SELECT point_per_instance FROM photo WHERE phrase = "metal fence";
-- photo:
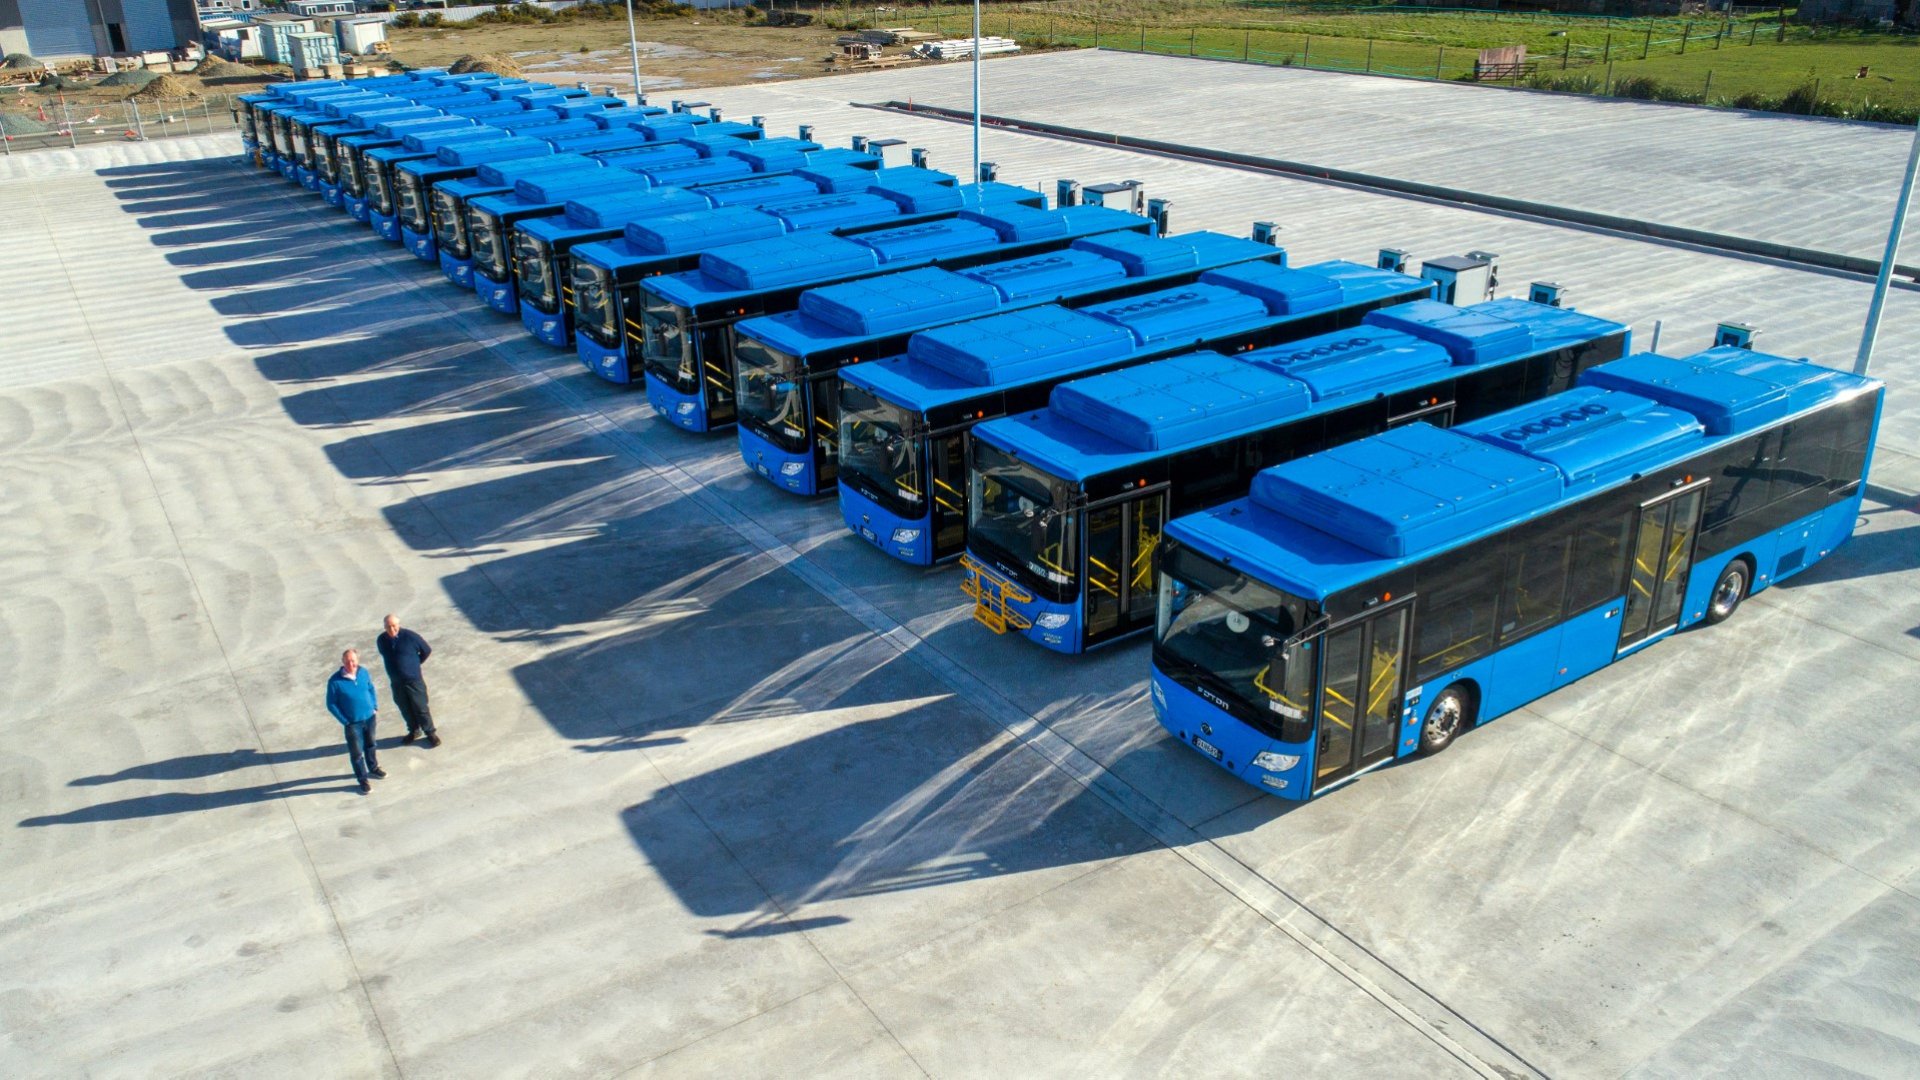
(37, 123)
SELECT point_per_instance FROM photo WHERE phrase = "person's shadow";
(196, 767)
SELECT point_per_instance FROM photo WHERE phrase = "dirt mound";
(490, 62)
(134, 77)
(61, 82)
(166, 87)
(20, 61)
(215, 68)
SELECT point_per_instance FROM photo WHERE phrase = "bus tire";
(1728, 591)
(1450, 714)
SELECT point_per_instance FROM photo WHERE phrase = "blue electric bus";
(414, 181)
(684, 329)
(491, 217)
(314, 112)
(334, 164)
(382, 165)
(1067, 504)
(449, 187)
(449, 199)
(981, 361)
(618, 144)
(414, 176)
(1371, 602)
(673, 243)
(356, 173)
(834, 326)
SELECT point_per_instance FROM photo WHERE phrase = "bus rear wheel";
(1727, 592)
(1449, 715)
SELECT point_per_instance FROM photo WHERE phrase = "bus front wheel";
(1728, 592)
(1449, 715)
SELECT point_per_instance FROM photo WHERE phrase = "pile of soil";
(20, 62)
(215, 68)
(134, 77)
(490, 62)
(165, 88)
(24, 124)
(61, 82)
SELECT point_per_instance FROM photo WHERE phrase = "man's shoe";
(433, 741)
(378, 774)
(365, 787)
(408, 741)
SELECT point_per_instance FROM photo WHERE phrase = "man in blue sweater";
(404, 651)
(352, 701)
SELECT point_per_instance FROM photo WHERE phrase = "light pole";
(1886, 262)
(633, 53)
(976, 90)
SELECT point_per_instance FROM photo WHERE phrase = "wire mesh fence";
(33, 123)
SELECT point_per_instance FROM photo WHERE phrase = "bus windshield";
(323, 158)
(594, 312)
(449, 224)
(350, 172)
(772, 394)
(880, 452)
(413, 208)
(1017, 513)
(533, 267)
(489, 254)
(666, 347)
(380, 188)
(1230, 639)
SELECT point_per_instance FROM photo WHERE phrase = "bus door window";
(1121, 539)
(1105, 561)
(1361, 695)
(1662, 555)
(712, 350)
(825, 408)
(947, 469)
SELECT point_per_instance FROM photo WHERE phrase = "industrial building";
(66, 29)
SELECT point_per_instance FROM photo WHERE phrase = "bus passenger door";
(947, 469)
(1120, 583)
(1662, 557)
(822, 400)
(1362, 687)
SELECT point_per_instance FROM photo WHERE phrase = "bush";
(405, 20)
(432, 18)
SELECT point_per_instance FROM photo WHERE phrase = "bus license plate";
(1207, 748)
(868, 533)
(762, 468)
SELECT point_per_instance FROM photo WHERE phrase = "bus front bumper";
(422, 245)
(458, 271)
(288, 169)
(1001, 604)
(909, 541)
(357, 207)
(333, 194)
(498, 295)
(685, 411)
(547, 326)
(783, 469)
(385, 226)
(609, 364)
(1229, 743)
(309, 179)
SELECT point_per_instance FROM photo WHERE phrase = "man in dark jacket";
(404, 651)
(353, 701)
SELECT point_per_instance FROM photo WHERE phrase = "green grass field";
(1745, 57)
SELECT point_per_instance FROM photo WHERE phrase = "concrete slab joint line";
(1802, 257)
(1478, 1050)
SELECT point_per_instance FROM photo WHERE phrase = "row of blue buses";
(1359, 511)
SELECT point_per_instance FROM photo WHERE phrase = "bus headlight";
(792, 468)
(1272, 762)
(905, 536)
(1052, 620)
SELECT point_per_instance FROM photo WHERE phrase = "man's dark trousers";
(360, 749)
(411, 694)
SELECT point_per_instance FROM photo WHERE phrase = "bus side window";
(1536, 580)
(1459, 594)
(1850, 442)
(1599, 557)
